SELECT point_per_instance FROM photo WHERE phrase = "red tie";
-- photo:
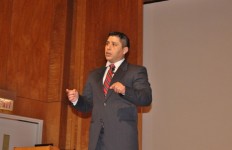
(108, 79)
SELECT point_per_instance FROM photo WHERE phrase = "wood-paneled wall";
(47, 46)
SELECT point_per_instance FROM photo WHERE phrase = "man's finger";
(112, 86)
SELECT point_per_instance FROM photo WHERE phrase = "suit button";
(102, 123)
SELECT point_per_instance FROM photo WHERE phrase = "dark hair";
(123, 37)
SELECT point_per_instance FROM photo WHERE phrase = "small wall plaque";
(7, 99)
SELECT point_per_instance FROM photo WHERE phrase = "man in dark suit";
(114, 104)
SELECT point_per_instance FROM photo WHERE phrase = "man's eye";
(114, 44)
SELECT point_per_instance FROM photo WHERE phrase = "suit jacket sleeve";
(140, 92)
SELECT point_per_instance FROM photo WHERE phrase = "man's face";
(114, 50)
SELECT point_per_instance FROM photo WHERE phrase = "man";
(112, 97)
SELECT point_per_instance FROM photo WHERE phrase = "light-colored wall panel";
(187, 49)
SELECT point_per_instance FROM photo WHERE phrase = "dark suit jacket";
(118, 113)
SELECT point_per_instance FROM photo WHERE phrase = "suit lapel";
(120, 72)
(100, 81)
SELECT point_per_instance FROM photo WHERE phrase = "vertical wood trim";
(79, 54)
(140, 32)
(57, 47)
(139, 61)
(74, 123)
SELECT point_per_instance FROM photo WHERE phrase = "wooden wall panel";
(5, 21)
(24, 106)
(34, 43)
(47, 46)
(117, 15)
(29, 48)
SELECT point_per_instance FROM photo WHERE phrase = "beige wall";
(188, 53)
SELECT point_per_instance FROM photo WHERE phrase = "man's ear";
(125, 50)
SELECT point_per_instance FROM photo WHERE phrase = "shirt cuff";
(75, 102)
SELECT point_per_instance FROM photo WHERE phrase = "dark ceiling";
(152, 1)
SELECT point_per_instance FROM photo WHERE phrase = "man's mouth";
(108, 54)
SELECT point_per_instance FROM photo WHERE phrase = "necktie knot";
(112, 67)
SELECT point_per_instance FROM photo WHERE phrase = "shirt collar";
(116, 64)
